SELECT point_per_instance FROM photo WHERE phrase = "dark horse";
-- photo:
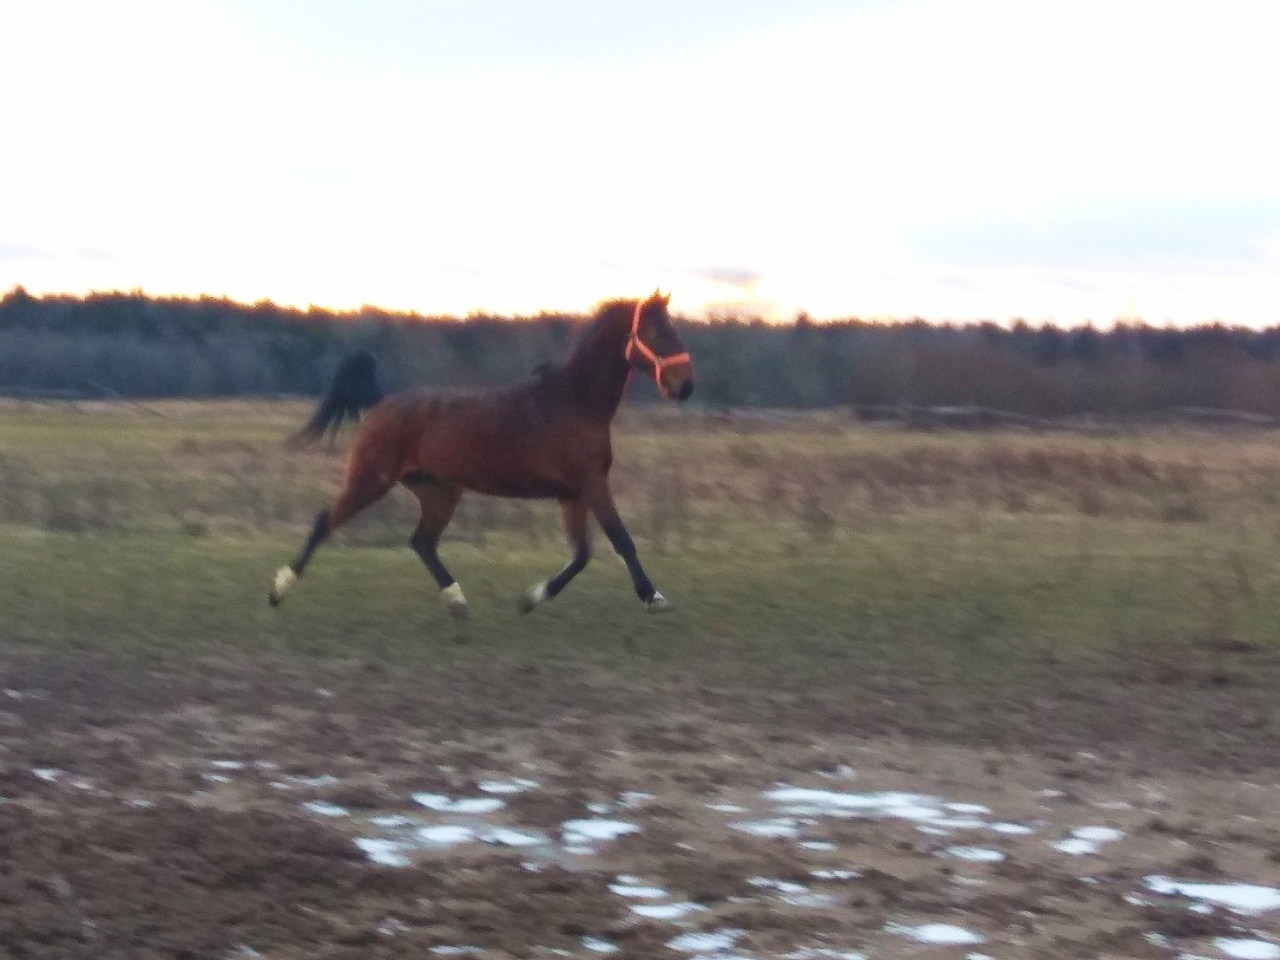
(548, 437)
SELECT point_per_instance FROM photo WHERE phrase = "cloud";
(22, 251)
(508, 34)
(97, 255)
(1118, 233)
(743, 278)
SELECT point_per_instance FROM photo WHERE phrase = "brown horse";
(548, 437)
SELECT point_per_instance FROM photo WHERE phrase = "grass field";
(807, 531)
(1036, 639)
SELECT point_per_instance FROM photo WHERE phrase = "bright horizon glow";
(944, 159)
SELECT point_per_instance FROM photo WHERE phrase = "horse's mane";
(606, 314)
(587, 328)
(613, 307)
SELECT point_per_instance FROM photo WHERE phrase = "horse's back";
(478, 413)
(515, 442)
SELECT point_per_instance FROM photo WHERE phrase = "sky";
(960, 160)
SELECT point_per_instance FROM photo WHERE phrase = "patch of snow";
(442, 804)
(391, 820)
(507, 837)
(938, 933)
(781, 827)
(1012, 829)
(1240, 897)
(505, 787)
(1088, 840)
(1239, 949)
(583, 832)
(715, 941)
(664, 911)
(320, 808)
(972, 808)
(386, 852)
(975, 854)
(638, 891)
(445, 834)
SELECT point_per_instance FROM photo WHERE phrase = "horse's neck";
(597, 369)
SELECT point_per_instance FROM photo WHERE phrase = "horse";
(548, 437)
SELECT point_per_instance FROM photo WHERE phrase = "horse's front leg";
(600, 500)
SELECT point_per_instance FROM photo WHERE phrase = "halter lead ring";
(659, 363)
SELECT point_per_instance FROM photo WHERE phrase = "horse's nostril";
(686, 390)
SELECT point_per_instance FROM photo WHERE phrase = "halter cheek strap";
(634, 343)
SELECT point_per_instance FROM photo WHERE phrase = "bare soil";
(169, 808)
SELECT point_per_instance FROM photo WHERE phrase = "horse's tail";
(354, 390)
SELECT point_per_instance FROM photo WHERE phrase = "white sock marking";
(658, 604)
(285, 578)
(452, 595)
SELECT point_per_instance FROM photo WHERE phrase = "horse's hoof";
(659, 604)
(531, 598)
(454, 602)
(285, 578)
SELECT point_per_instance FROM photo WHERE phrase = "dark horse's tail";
(354, 390)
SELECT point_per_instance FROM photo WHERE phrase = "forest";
(137, 346)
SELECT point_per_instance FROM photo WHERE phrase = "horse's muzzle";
(676, 381)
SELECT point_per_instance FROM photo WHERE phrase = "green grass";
(1004, 590)
(130, 532)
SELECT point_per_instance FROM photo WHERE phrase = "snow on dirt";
(500, 810)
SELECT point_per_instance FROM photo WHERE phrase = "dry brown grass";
(681, 476)
(825, 469)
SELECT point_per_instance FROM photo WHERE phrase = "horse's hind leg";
(437, 500)
(575, 528)
(364, 486)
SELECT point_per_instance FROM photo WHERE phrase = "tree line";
(134, 345)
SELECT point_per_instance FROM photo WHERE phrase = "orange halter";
(635, 343)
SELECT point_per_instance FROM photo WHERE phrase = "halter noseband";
(659, 363)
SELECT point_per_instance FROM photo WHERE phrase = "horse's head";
(655, 347)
